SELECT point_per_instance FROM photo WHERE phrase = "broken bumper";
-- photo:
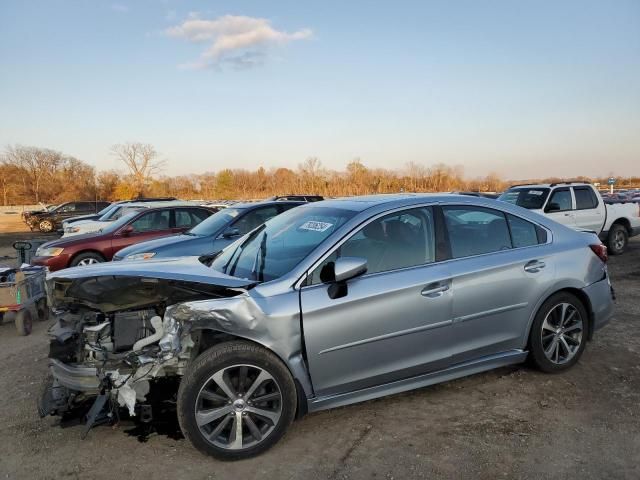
(81, 379)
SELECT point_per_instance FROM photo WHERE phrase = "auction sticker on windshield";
(316, 226)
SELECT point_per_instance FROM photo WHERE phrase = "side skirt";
(456, 371)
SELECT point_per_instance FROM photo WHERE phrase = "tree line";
(32, 174)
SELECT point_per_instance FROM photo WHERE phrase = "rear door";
(500, 265)
(187, 218)
(152, 224)
(560, 207)
(589, 213)
(394, 321)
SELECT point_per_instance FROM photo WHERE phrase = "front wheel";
(24, 323)
(617, 239)
(559, 333)
(236, 400)
(46, 226)
(88, 258)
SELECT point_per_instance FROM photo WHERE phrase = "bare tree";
(35, 164)
(142, 161)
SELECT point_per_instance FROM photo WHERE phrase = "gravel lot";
(508, 423)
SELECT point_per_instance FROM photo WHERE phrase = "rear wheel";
(43, 310)
(236, 401)
(24, 323)
(87, 258)
(46, 226)
(9, 317)
(617, 239)
(559, 333)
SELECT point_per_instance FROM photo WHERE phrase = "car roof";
(262, 203)
(388, 200)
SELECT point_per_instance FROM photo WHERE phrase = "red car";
(135, 227)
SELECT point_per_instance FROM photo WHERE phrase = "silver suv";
(328, 304)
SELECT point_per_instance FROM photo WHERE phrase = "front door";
(149, 225)
(394, 322)
(560, 207)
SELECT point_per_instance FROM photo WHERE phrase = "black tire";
(46, 226)
(80, 260)
(617, 239)
(24, 323)
(9, 317)
(552, 307)
(43, 310)
(217, 359)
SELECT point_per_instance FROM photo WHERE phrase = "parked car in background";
(302, 198)
(25, 215)
(109, 208)
(326, 305)
(89, 226)
(132, 228)
(213, 234)
(50, 220)
(491, 195)
(580, 206)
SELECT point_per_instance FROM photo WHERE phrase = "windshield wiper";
(260, 255)
(238, 251)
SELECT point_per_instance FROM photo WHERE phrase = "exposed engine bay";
(112, 356)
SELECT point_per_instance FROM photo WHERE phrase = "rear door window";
(585, 198)
(152, 221)
(476, 230)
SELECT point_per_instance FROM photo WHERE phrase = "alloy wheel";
(619, 240)
(562, 331)
(238, 407)
(88, 261)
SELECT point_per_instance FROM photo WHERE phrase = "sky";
(522, 88)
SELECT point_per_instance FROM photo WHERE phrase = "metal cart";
(23, 298)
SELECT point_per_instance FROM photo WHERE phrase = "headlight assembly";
(141, 256)
(49, 252)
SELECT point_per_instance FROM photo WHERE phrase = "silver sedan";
(342, 301)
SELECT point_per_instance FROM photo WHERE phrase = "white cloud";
(238, 41)
(118, 7)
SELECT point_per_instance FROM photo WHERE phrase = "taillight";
(601, 251)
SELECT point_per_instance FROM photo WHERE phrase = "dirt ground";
(509, 423)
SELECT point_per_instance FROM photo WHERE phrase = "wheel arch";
(207, 338)
(575, 291)
(82, 252)
(624, 222)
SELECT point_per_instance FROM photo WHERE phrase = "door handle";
(435, 290)
(534, 266)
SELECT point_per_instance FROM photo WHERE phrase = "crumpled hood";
(117, 286)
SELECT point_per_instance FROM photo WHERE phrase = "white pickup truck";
(580, 206)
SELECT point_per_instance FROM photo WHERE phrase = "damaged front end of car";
(120, 333)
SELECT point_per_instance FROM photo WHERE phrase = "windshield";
(215, 222)
(106, 209)
(531, 198)
(115, 225)
(279, 245)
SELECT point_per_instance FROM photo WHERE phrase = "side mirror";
(230, 232)
(346, 268)
(126, 231)
(552, 207)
